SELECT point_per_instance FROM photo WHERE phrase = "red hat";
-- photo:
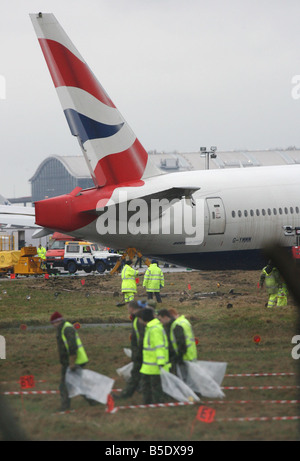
(56, 317)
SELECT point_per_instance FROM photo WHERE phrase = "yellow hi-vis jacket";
(154, 278)
(41, 252)
(155, 349)
(81, 356)
(128, 276)
(272, 280)
(191, 350)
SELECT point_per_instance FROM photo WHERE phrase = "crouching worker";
(155, 357)
(71, 354)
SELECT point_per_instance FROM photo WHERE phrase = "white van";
(89, 257)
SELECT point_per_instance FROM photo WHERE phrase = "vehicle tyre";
(72, 267)
(100, 267)
(88, 270)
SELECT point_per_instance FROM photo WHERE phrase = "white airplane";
(212, 219)
(17, 217)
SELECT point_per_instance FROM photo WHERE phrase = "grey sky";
(183, 73)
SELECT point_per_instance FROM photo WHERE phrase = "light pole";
(208, 154)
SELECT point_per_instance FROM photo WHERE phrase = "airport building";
(59, 175)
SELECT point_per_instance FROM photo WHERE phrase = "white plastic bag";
(125, 371)
(216, 370)
(88, 383)
(127, 352)
(176, 388)
(204, 379)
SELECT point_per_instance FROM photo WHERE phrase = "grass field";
(224, 322)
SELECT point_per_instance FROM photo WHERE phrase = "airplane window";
(274, 211)
(291, 210)
(257, 213)
(297, 210)
(286, 210)
(239, 213)
(263, 212)
(280, 210)
(269, 212)
(251, 212)
(245, 213)
(233, 214)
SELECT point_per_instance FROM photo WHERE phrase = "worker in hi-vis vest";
(276, 288)
(182, 343)
(41, 252)
(136, 339)
(71, 354)
(155, 357)
(129, 276)
(154, 280)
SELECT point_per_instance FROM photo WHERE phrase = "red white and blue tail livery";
(112, 151)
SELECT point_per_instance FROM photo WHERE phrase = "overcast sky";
(184, 74)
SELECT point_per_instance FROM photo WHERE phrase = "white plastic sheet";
(125, 371)
(204, 377)
(216, 370)
(127, 352)
(88, 383)
(176, 388)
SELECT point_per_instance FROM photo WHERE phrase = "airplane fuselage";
(233, 215)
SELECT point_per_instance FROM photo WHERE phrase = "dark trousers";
(134, 380)
(64, 397)
(151, 389)
(138, 261)
(181, 371)
(157, 295)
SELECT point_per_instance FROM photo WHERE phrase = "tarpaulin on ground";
(88, 383)
(125, 371)
(9, 258)
(176, 388)
(203, 377)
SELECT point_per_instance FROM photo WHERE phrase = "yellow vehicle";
(129, 253)
(22, 262)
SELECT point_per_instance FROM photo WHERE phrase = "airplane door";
(216, 212)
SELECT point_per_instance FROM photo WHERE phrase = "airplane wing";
(165, 196)
(172, 193)
(17, 217)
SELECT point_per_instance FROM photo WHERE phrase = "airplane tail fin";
(113, 153)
